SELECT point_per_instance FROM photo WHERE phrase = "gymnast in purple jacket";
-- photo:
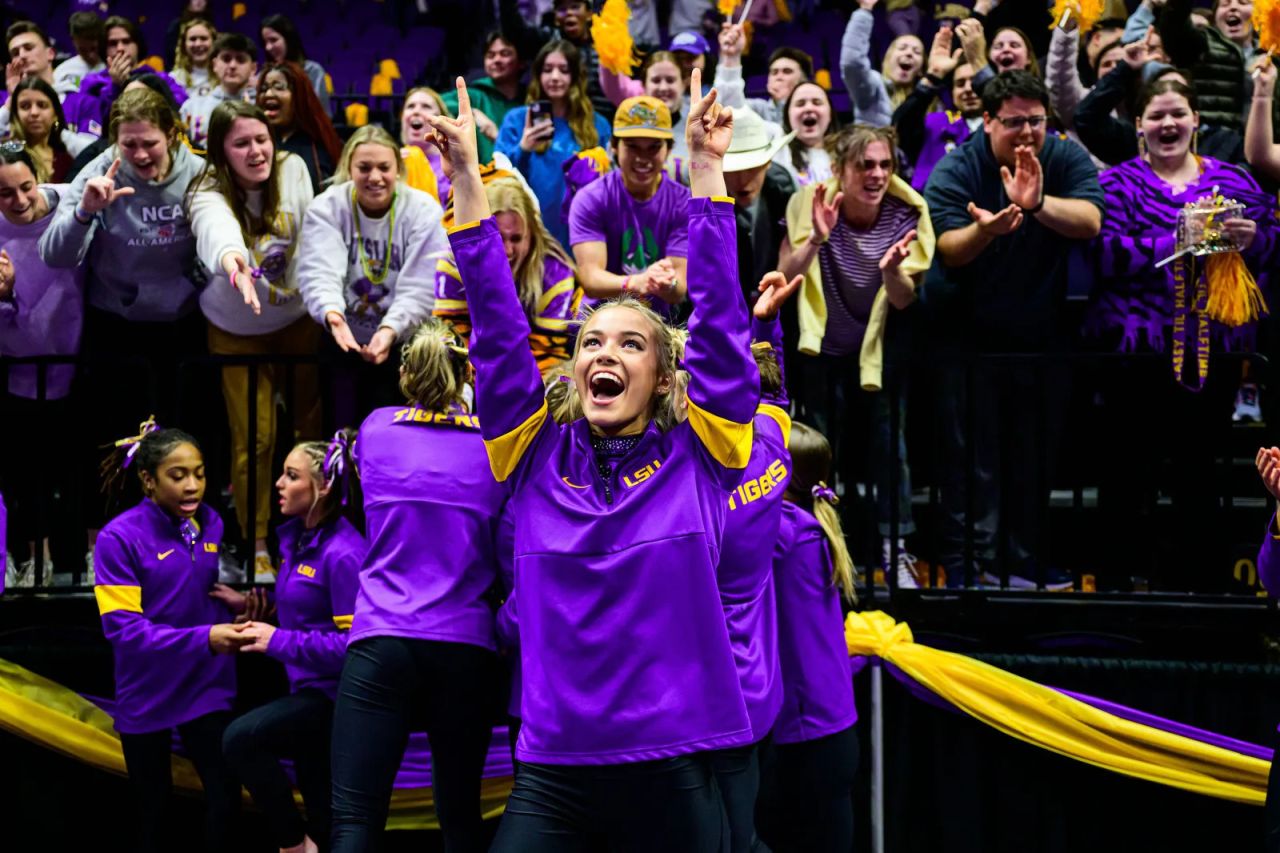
(628, 676)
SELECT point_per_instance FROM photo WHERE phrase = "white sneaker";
(10, 571)
(905, 571)
(1247, 408)
(230, 570)
(88, 568)
(263, 570)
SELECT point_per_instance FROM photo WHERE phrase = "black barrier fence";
(1014, 483)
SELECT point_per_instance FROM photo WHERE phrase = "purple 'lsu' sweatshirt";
(624, 652)
(153, 596)
(431, 509)
(745, 573)
(315, 600)
(45, 312)
(817, 679)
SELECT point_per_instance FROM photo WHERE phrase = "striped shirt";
(850, 265)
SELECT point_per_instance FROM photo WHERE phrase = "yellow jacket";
(813, 303)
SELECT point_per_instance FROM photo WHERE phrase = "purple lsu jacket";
(817, 678)
(745, 573)
(1269, 559)
(315, 600)
(153, 596)
(431, 514)
(624, 652)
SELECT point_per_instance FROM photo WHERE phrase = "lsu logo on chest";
(638, 477)
(754, 490)
(307, 571)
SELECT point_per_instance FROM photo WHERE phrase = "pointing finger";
(113, 168)
(464, 98)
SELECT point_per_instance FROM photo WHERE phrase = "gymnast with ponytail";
(322, 550)
(815, 744)
(155, 566)
(627, 676)
(423, 650)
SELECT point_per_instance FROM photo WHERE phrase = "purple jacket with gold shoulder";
(745, 572)
(153, 596)
(624, 652)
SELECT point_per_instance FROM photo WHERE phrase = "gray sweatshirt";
(140, 250)
(332, 261)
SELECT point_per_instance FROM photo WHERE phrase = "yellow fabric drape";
(1051, 720)
(46, 713)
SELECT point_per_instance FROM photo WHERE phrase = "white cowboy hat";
(754, 142)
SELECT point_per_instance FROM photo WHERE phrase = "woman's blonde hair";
(898, 94)
(667, 346)
(368, 134)
(433, 366)
(182, 59)
(563, 402)
(810, 471)
(580, 114)
(508, 196)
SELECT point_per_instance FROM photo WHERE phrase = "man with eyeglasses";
(1009, 206)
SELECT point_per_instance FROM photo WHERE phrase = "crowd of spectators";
(220, 204)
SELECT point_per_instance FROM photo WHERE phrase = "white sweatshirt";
(332, 277)
(218, 233)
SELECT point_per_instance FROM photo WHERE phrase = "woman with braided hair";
(322, 550)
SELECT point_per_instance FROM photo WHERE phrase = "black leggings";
(671, 804)
(147, 758)
(391, 686)
(806, 802)
(296, 726)
(738, 777)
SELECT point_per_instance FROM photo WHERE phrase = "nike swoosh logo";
(572, 485)
(165, 554)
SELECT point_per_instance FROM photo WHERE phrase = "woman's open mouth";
(605, 387)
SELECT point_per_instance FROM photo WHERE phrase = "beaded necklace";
(381, 275)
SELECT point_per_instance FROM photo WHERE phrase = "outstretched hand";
(341, 332)
(775, 290)
(825, 214)
(1268, 462)
(898, 252)
(999, 223)
(1025, 186)
(241, 276)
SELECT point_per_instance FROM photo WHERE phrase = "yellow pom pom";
(1266, 20)
(1234, 296)
(1086, 12)
(727, 8)
(611, 34)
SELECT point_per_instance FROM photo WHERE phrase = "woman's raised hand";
(456, 137)
(101, 191)
(774, 291)
(710, 125)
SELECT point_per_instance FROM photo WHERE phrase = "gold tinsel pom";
(1234, 297)
(726, 7)
(612, 37)
(1086, 12)
(1266, 20)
